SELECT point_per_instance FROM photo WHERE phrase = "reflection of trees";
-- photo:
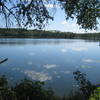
(29, 90)
(33, 41)
(86, 88)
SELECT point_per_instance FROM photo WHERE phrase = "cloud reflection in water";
(41, 76)
(49, 66)
(63, 50)
(88, 60)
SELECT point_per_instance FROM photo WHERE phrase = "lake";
(50, 60)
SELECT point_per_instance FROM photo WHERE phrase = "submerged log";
(4, 60)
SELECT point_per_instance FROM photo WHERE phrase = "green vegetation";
(29, 90)
(25, 90)
(95, 95)
(23, 33)
(34, 13)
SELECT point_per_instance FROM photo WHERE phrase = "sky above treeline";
(61, 24)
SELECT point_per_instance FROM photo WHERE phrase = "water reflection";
(21, 41)
(16, 41)
(49, 66)
(88, 60)
(50, 60)
(80, 49)
(63, 50)
(40, 76)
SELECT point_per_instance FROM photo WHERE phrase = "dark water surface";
(50, 60)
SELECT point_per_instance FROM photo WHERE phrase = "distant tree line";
(24, 33)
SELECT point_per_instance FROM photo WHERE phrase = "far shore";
(23, 33)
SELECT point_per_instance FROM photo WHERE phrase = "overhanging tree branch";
(28, 13)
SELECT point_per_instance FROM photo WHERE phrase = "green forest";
(24, 33)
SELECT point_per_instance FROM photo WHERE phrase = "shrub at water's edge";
(29, 90)
(25, 90)
(95, 95)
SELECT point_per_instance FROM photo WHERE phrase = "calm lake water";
(50, 60)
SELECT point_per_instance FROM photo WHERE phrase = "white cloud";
(52, 6)
(41, 76)
(49, 66)
(80, 49)
(64, 22)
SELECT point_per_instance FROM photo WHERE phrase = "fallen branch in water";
(4, 60)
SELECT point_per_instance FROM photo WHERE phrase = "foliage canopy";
(29, 13)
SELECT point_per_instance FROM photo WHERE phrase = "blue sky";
(61, 24)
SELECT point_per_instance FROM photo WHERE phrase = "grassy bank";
(23, 33)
